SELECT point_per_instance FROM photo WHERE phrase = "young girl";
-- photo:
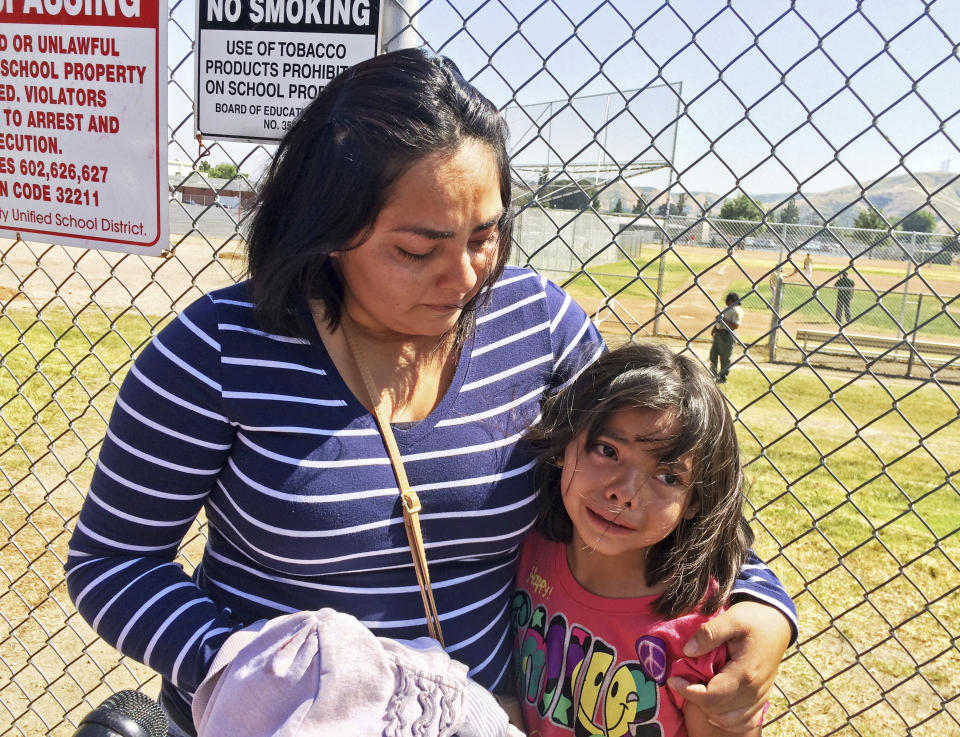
(639, 540)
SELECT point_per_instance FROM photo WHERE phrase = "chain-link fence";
(768, 149)
(883, 322)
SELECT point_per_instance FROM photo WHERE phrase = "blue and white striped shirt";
(261, 434)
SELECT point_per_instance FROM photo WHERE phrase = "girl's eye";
(605, 450)
(670, 478)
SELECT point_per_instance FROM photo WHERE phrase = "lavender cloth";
(323, 673)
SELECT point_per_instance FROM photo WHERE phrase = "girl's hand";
(757, 636)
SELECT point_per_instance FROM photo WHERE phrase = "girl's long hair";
(712, 545)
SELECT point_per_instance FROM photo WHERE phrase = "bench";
(872, 346)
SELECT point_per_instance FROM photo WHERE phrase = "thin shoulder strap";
(408, 497)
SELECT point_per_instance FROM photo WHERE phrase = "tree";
(790, 213)
(922, 221)
(218, 171)
(815, 218)
(640, 207)
(618, 205)
(740, 208)
(223, 171)
(870, 218)
(673, 208)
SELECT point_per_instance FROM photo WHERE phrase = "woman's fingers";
(713, 698)
(756, 636)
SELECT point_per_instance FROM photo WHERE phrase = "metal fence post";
(912, 338)
(400, 25)
(658, 303)
(775, 321)
(665, 240)
(902, 326)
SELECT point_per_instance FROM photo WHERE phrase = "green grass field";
(59, 380)
(859, 518)
(624, 279)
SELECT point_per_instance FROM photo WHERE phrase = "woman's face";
(432, 246)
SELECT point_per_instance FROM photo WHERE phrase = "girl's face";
(620, 497)
(432, 245)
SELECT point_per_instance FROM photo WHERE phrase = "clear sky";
(814, 96)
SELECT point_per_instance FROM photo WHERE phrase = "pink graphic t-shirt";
(589, 665)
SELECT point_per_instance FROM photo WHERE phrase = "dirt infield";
(156, 285)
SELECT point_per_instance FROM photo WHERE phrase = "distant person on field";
(724, 337)
(844, 285)
(772, 281)
(807, 268)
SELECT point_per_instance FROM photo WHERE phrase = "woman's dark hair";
(711, 545)
(334, 168)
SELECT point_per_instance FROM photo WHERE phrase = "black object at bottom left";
(125, 714)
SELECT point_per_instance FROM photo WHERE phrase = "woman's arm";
(165, 445)
(757, 629)
(756, 636)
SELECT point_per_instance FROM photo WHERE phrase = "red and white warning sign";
(83, 123)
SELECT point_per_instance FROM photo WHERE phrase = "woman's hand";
(757, 636)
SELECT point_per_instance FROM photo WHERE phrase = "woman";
(386, 207)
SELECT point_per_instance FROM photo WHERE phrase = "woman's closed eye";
(413, 255)
(483, 242)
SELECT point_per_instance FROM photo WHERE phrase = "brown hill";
(896, 196)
